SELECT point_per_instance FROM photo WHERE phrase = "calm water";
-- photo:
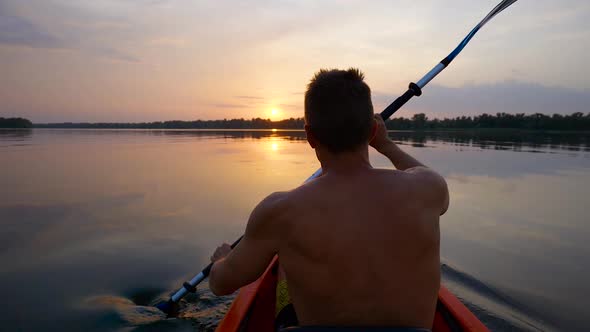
(95, 223)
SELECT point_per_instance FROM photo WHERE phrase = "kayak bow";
(253, 309)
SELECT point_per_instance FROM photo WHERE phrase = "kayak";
(253, 310)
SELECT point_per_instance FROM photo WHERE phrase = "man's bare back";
(359, 246)
(362, 250)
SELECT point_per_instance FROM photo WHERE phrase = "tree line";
(254, 123)
(537, 121)
(15, 123)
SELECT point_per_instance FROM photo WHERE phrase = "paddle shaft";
(415, 89)
(190, 286)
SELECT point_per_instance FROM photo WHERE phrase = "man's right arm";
(401, 160)
(430, 184)
(388, 148)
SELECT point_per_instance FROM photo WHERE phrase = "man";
(359, 246)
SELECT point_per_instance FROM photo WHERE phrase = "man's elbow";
(436, 190)
(445, 196)
(218, 290)
(217, 284)
(445, 206)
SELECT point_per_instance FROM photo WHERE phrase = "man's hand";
(381, 142)
(250, 258)
(381, 139)
(221, 252)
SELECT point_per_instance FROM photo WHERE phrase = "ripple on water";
(203, 311)
(136, 311)
(497, 311)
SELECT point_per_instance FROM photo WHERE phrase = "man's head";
(338, 110)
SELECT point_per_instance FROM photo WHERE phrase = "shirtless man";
(359, 246)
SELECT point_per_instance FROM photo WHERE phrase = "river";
(97, 223)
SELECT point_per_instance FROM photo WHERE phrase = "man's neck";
(344, 162)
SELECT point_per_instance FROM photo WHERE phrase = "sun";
(275, 113)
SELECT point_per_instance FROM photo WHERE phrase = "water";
(98, 224)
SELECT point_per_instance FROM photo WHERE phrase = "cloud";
(249, 97)
(17, 31)
(291, 106)
(185, 51)
(114, 54)
(508, 96)
(228, 105)
(168, 41)
(148, 2)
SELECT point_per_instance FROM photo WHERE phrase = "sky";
(153, 60)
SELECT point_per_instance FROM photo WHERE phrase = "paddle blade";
(497, 10)
(170, 308)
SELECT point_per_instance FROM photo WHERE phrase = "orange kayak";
(253, 309)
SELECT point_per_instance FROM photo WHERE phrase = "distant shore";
(520, 121)
(15, 123)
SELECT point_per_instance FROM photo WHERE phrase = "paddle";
(415, 89)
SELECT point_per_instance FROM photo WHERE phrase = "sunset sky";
(148, 60)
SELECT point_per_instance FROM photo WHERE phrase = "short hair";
(338, 109)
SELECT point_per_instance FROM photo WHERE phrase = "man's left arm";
(250, 258)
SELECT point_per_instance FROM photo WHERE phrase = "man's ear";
(310, 138)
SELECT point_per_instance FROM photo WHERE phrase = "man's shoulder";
(274, 202)
(393, 176)
(427, 186)
(267, 216)
(414, 175)
(306, 191)
(418, 180)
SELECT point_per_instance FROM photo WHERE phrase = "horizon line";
(291, 119)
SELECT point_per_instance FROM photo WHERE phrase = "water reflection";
(15, 137)
(520, 141)
(89, 213)
(515, 140)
